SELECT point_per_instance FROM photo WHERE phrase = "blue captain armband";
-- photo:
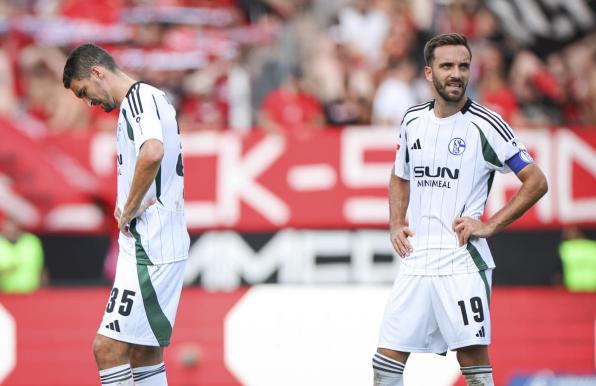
(519, 161)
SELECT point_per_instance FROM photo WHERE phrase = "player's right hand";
(399, 240)
(124, 219)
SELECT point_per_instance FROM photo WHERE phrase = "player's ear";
(97, 72)
(428, 73)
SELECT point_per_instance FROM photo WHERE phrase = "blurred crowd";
(290, 66)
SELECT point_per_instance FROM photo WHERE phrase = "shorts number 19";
(476, 305)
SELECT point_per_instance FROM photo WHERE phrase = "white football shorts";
(431, 314)
(142, 305)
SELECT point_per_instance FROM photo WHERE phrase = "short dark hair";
(81, 59)
(452, 39)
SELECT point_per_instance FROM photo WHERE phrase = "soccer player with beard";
(449, 149)
(153, 243)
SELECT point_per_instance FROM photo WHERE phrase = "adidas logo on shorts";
(114, 326)
(480, 333)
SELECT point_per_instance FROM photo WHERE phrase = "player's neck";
(444, 109)
(120, 85)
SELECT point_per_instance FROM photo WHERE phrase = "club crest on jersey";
(526, 156)
(457, 146)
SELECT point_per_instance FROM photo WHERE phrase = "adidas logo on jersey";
(416, 145)
(480, 333)
(114, 326)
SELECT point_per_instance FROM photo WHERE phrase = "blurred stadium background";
(288, 111)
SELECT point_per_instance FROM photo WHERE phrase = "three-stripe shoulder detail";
(493, 119)
(134, 99)
(421, 106)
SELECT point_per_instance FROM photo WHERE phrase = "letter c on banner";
(8, 348)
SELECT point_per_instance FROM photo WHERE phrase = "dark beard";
(107, 107)
(443, 93)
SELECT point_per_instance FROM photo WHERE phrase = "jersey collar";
(466, 106)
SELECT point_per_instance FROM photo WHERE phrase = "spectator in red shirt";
(204, 113)
(492, 86)
(205, 106)
(290, 109)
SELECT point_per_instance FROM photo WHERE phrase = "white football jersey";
(160, 234)
(450, 164)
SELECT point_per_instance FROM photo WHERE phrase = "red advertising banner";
(336, 178)
(47, 336)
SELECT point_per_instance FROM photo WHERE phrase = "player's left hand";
(127, 216)
(467, 227)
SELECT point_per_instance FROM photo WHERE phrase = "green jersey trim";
(486, 286)
(482, 267)
(487, 151)
(131, 134)
(158, 185)
(491, 178)
(478, 260)
(140, 254)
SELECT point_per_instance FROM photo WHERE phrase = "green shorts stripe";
(486, 286)
(160, 325)
(481, 265)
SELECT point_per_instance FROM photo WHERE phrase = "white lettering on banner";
(541, 144)
(84, 217)
(355, 142)
(357, 173)
(305, 178)
(367, 243)
(8, 347)
(241, 180)
(16, 205)
(236, 179)
(286, 322)
(572, 149)
(223, 259)
(238, 176)
(539, 141)
(201, 213)
(366, 210)
(330, 244)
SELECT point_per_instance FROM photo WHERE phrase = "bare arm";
(534, 186)
(148, 163)
(399, 196)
